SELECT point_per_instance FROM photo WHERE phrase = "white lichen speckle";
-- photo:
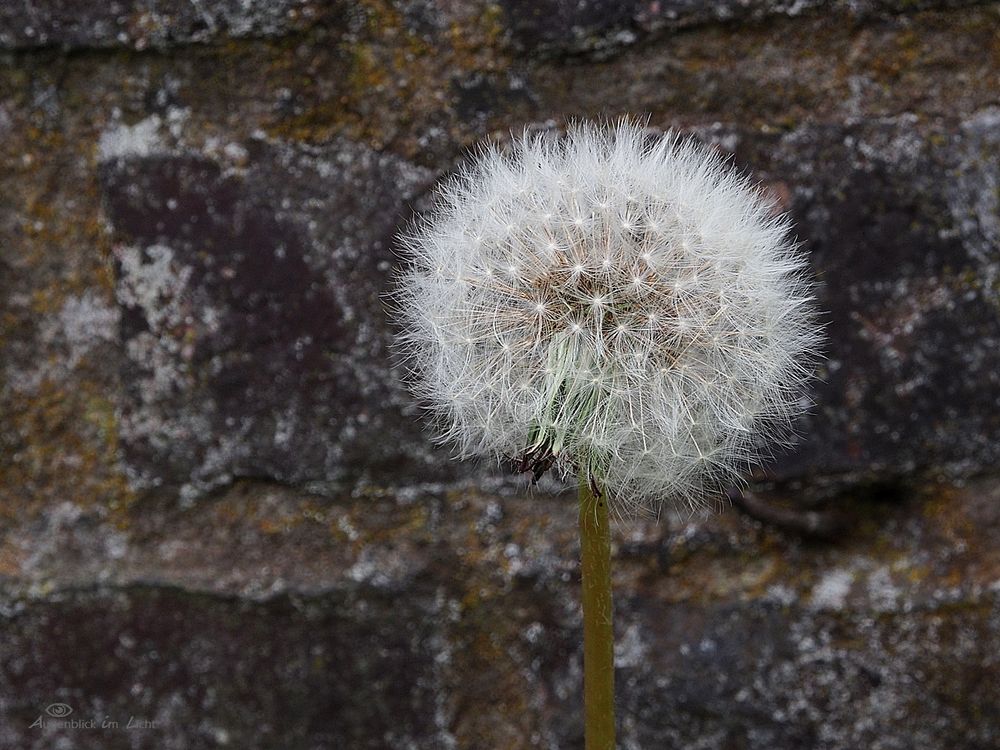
(121, 140)
(631, 650)
(884, 594)
(84, 322)
(832, 590)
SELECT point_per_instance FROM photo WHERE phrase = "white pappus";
(610, 302)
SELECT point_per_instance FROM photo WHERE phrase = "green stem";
(598, 631)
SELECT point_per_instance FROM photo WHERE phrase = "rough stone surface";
(75, 24)
(549, 26)
(219, 511)
(898, 223)
(250, 313)
(598, 27)
(269, 618)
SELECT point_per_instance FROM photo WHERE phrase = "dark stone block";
(602, 27)
(197, 671)
(74, 24)
(252, 318)
(257, 342)
(909, 295)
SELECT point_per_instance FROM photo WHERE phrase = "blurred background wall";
(218, 513)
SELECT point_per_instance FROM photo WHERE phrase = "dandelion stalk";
(598, 629)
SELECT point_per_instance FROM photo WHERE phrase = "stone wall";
(219, 512)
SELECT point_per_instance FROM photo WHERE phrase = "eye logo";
(58, 710)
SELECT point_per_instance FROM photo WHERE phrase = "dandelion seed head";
(649, 320)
